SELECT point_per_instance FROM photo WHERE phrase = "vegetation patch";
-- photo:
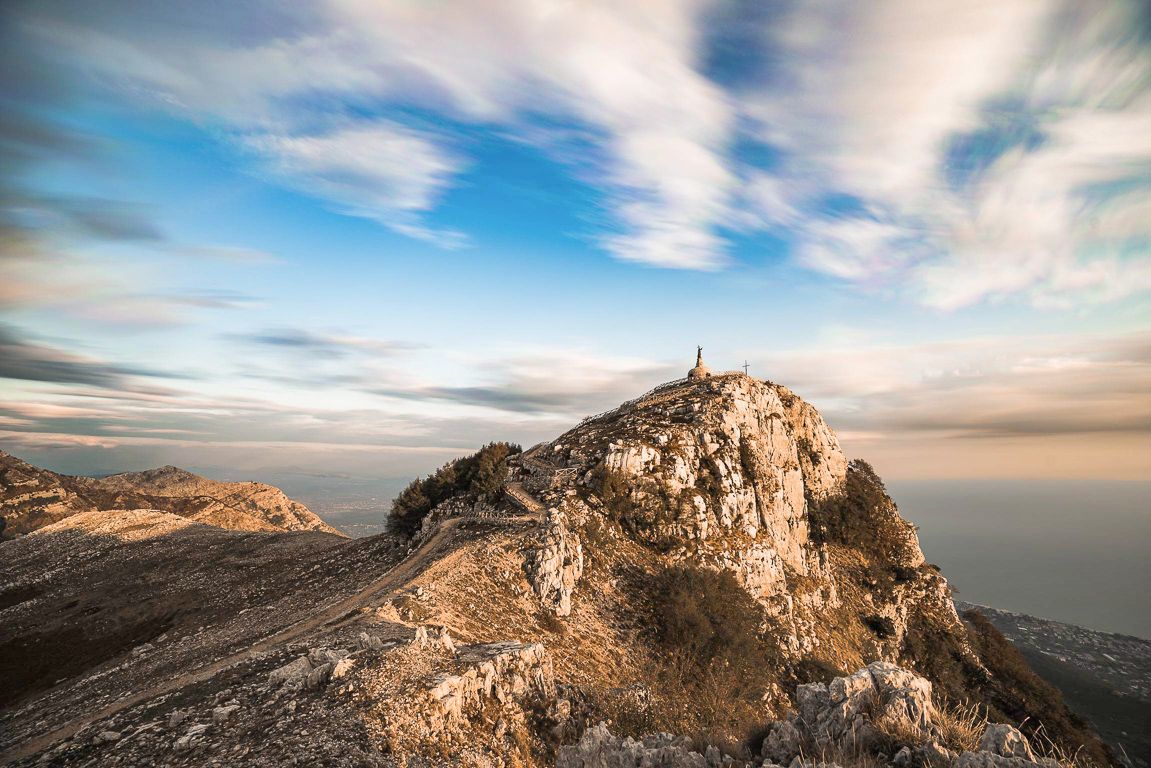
(478, 476)
(882, 626)
(863, 517)
(643, 507)
(714, 668)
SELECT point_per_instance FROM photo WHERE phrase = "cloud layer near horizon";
(977, 394)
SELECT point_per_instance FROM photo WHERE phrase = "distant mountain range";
(32, 498)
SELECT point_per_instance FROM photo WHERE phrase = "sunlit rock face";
(725, 472)
(32, 498)
(723, 465)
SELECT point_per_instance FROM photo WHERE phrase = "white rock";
(1006, 741)
(293, 673)
(222, 714)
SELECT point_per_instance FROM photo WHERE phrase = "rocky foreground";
(881, 714)
(700, 561)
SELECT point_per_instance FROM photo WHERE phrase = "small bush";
(882, 626)
(706, 615)
(615, 488)
(961, 726)
(904, 574)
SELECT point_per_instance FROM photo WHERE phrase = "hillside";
(1105, 677)
(703, 560)
(31, 498)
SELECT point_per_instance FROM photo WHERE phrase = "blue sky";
(369, 236)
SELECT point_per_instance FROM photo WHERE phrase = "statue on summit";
(700, 371)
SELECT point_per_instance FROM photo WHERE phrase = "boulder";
(783, 742)
(855, 711)
(555, 564)
(293, 673)
(1005, 741)
(223, 714)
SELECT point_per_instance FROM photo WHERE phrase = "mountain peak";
(723, 453)
(679, 563)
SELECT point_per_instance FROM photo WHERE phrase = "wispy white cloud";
(996, 150)
(375, 169)
(627, 75)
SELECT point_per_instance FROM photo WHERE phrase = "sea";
(1075, 551)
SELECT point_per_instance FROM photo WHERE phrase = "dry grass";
(1046, 747)
(961, 725)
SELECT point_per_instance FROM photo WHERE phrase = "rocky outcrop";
(555, 564)
(726, 455)
(881, 715)
(886, 711)
(31, 498)
(496, 672)
(859, 708)
(598, 748)
(727, 472)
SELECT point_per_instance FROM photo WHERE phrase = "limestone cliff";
(734, 473)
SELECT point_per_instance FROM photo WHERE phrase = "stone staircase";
(519, 496)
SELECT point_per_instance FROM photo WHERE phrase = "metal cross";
(745, 367)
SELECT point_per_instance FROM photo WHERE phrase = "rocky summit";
(699, 577)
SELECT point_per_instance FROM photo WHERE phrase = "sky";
(368, 236)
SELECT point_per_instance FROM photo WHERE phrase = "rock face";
(850, 707)
(555, 565)
(600, 749)
(731, 455)
(31, 498)
(729, 472)
(496, 672)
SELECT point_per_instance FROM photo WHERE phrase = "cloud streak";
(29, 361)
(981, 387)
(375, 169)
(992, 150)
(625, 76)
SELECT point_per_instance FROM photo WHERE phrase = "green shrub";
(478, 476)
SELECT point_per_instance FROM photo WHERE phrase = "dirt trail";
(329, 615)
